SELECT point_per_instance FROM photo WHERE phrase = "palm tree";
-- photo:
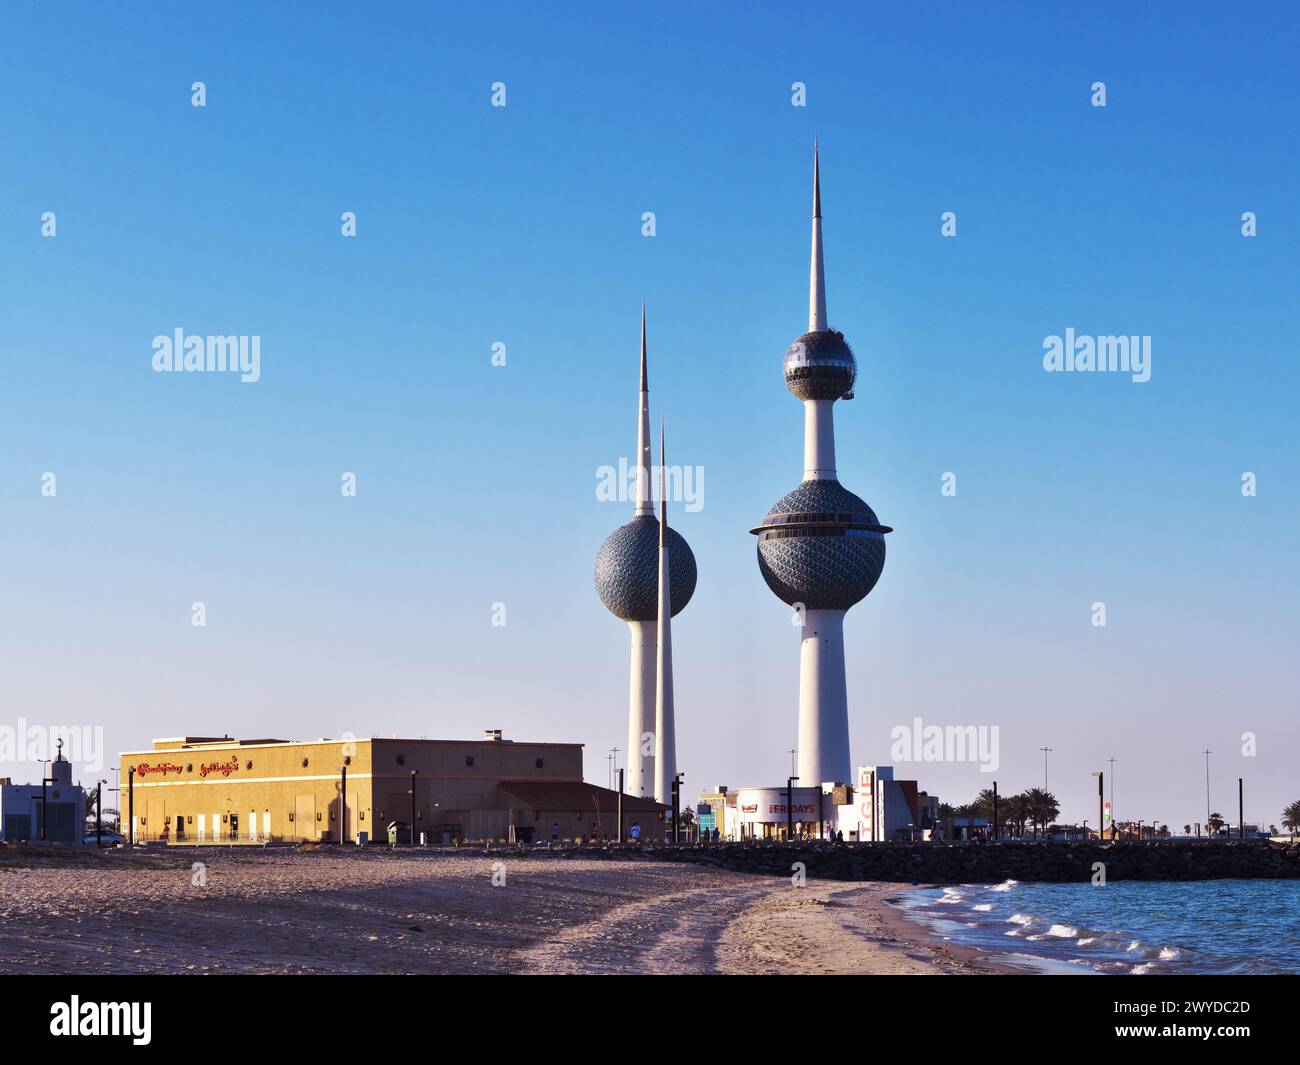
(1291, 818)
(1017, 812)
(1215, 823)
(1043, 807)
(1187, 830)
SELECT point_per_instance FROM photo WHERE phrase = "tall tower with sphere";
(627, 581)
(820, 548)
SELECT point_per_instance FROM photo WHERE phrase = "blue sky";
(476, 484)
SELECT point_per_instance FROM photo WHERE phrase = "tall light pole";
(413, 807)
(117, 792)
(343, 804)
(789, 807)
(1046, 751)
(1101, 807)
(1112, 790)
(99, 812)
(1207, 752)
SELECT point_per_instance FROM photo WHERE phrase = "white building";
(885, 809)
(767, 813)
(59, 807)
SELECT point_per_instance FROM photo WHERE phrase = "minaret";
(627, 581)
(820, 548)
(665, 730)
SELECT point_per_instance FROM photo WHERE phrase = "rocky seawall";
(991, 863)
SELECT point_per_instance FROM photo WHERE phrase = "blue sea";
(1127, 927)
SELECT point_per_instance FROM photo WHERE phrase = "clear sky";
(523, 225)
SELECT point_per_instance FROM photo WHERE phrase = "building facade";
(203, 790)
(54, 811)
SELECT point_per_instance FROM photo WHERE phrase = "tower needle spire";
(817, 270)
(665, 763)
(645, 380)
(644, 505)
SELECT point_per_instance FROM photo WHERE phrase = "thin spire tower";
(644, 505)
(665, 730)
(627, 581)
(817, 269)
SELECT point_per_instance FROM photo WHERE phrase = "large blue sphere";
(821, 546)
(627, 570)
(820, 366)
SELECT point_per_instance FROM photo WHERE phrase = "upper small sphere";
(820, 366)
(627, 570)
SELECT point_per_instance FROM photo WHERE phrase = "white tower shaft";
(642, 709)
(665, 760)
(823, 691)
(823, 700)
(819, 440)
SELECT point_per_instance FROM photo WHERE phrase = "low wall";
(980, 863)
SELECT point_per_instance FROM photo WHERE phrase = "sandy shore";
(378, 911)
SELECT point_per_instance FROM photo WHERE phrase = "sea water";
(1132, 927)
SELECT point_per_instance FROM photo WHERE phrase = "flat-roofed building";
(205, 789)
(54, 811)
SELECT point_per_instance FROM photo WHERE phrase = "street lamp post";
(1207, 752)
(343, 804)
(677, 805)
(1112, 790)
(995, 811)
(413, 807)
(1046, 751)
(1241, 810)
(1101, 807)
(99, 812)
(789, 808)
(620, 806)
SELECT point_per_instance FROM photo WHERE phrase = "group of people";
(633, 834)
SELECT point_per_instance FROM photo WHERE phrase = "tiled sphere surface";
(627, 570)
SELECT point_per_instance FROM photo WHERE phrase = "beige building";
(196, 789)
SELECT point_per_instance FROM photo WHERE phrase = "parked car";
(110, 839)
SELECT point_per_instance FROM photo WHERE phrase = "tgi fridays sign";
(768, 805)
